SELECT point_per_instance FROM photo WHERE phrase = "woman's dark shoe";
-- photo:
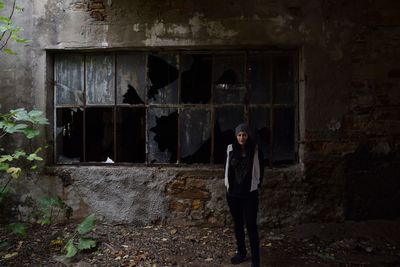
(253, 264)
(238, 258)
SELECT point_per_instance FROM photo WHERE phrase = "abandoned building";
(143, 96)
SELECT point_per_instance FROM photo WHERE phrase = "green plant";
(9, 31)
(51, 207)
(80, 240)
(19, 121)
(18, 228)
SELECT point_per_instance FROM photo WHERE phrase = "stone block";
(193, 194)
(196, 183)
(177, 206)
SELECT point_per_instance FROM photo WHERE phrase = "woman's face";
(242, 138)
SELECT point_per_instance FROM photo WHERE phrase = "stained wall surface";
(348, 104)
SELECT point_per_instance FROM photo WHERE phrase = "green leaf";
(19, 154)
(33, 157)
(4, 166)
(87, 225)
(1, 4)
(21, 40)
(4, 158)
(4, 19)
(86, 243)
(31, 132)
(18, 228)
(71, 249)
(17, 128)
(9, 51)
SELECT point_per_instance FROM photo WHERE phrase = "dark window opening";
(69, 135)
(131, 135)
(173, 107)
(196, 78)
(99, 135)
(163, 75)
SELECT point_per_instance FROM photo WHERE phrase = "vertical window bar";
(115, 109)
(271, 113)
(212, 109)
(54, 111)
(178, 152)
(296, 99)
(247, 87)
(146, 110)
(84, 108)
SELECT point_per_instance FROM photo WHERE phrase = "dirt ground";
(372, 243)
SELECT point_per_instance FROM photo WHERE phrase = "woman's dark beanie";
(242, 128)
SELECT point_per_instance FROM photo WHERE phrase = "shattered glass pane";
(131, 78)
(163, 135)
(99, 135)
(260, 77)
(131, 135)
(100, 79)
(195, 137)
(69, 135)
(226, 120)
(69, 79)
(283, 80)
(196, 78)
(283, 143)
(163, 78)
(229, 73)
(260, 122)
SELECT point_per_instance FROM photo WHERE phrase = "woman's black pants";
(244, 212)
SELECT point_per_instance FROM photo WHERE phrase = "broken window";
(260, 120)
(69, 135)
(163, 135)
(172, 107)
(131, 79)
(196, 78)
(195, 135)
(226, 119)
(229, 71)
(131, 135)
(163, 78)
(99, 135)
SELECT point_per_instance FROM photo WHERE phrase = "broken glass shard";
(131, 78)
(229, 86)
(163, 135)
(163, 78)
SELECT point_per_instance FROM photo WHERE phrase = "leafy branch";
(80, 241)
(8, 30)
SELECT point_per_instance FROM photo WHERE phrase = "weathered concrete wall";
(349, 116)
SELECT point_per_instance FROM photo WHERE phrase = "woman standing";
(243, 176)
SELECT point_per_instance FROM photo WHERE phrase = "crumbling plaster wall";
(348, 102)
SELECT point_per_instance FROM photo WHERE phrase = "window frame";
(211, 106)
